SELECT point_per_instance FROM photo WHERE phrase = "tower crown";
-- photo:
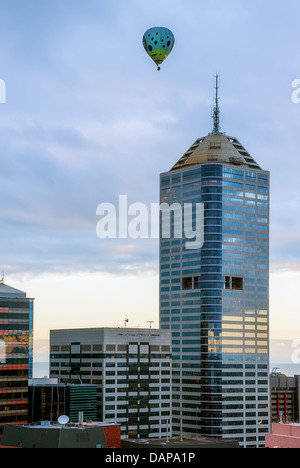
(216, 148)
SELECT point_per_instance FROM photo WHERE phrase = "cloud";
(281, 350)
(284, 267)
(52, 182)
(89, 118)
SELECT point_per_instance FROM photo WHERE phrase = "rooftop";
(177, 442)
(153, 332)
(9, 292)
(69, 425)
(54, 435)
(44, 382)
(218, 148)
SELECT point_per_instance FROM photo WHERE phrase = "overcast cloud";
(88, 118)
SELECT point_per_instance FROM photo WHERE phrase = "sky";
(87, 118)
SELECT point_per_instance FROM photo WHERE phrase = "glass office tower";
(16, 318)
(214, 299)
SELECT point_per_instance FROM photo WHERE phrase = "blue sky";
(88, 117)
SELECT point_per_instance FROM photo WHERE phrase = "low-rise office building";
(50, 435)
(285, 398)
(47, 400)
(132, 369)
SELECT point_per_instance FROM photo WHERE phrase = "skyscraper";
(16, 319)
(215, 298)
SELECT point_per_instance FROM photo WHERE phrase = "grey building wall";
(132, 371)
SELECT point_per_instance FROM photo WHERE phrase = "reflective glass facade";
(48, 402)
(215, 302)
(16, 315)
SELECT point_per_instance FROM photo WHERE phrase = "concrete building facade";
(132, 371)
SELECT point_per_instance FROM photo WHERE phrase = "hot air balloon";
(158, 43)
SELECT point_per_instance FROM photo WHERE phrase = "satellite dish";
(62, 420)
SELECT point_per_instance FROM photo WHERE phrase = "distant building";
(48, 400)
(284, 436)
(47, 435)
(132, 371)
(285, 398)
(16, 336)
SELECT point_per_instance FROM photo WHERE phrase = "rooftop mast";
(216, 112)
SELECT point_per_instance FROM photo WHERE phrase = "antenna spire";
(216, 112)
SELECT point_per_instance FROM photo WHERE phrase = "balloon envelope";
(158, 43)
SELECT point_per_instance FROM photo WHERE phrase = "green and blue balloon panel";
(158, 43)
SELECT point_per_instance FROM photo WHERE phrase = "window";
(234, 283)
(165, 181)
(237, 283)
(110, 347)
(187, 283)
(215, 145)
(190, 283)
